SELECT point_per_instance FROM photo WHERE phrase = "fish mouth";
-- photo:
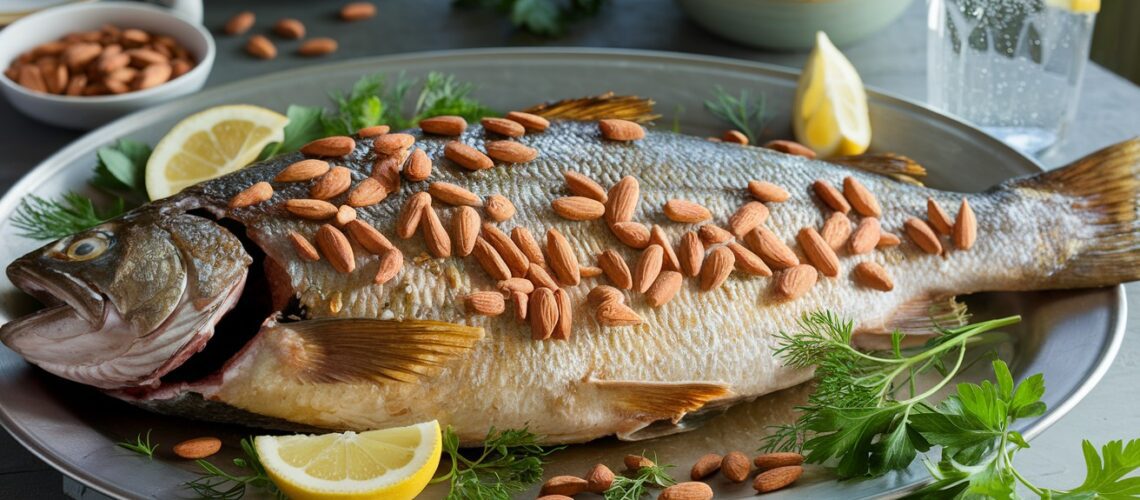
(55, 290)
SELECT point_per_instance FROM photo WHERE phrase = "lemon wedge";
(1076, 6)
(830, 111)
(209, 144)
(394, 464)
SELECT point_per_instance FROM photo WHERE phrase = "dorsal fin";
(359, 350)
(650, 401)
(608, 105)
(895, 166)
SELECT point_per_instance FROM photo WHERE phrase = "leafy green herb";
(121, 171)
(44, 219)
(217, 483)
(744, 112)
(540, 17)
(633, 488)
(511, 461)
(361, 108)
(305, 125)
(443, 95)
(142, 445)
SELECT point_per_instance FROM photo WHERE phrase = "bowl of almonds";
(83, 65)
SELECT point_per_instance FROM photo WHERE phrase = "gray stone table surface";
(892, 61)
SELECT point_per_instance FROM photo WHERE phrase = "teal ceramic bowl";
(791, 24)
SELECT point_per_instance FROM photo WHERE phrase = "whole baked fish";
(187, 306)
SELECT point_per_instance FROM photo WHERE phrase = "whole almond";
(835, 230)
(686, 211)
(79, 55)
(134, 37)
(511, 285)
(240, 23)
(111, 60)
(615, 268)
(647, 268)
(357, 11)
(32, 78)
(490, 260)
(252, 195)
(419, 166)
(373, 131)
(514, 257)
(818, 252)
(116, 86)
(670, 261)
(344, 215)
(620, 130)
(528, 245)
(614, 313)
(796, 281)
(466, 156)
(599, 479)
(589, 271)
(485, 303)
(76, 85)
(712, 234)
(522, 304)
(774, 479)
(289, 28)
(766, 192)
(581, 185)
(543, 314)
(529, 121)
(564, 485)
(56, 78)
(305, 250)
(866, 236)
(747, 261)
(734, 137)
(409, 219)
(368, 237)
(510, 151)
(578, 208)
(790, 147)
(777, 459)
(830, 196)
(861, 198)
(736, 466)
(367, 192)
(310, 209)
(390, 144)
(452, 194)
(498, 208)
(717, 266)
(444, 125)
(633, 234)
(747, 217)
(939, 220)
(152, 76)
(503, 126)
(562, 260)
(622, 200)
(465, 230)
(693, 490)
(965, 227)
(260, 47)
(336, 181)
(315, 47)
(141, 58)
(565, 316)
(636, 462)
(887, 240)
(198, 448)
(337, 145)
(303, 170)
(391, 262)
(335, 247)
(708, 464)
(664, 288)
(179, 67)
(540, 277)
(438, 242)
(604, 293)
(922, 235)
(691, 253)
(771, 248)
(386, 169)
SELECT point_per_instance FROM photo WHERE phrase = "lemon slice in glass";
(830, 111)
(209, 144)
(1076, 6)
(393, 464)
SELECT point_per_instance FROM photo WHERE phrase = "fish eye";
(87, 248)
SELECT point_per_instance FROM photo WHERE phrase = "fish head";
(128, 300)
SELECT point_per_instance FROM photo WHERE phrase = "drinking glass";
(1011, 67)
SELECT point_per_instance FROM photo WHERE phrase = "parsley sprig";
(141, 445)
(745, 112)
(510, 461)
(216, 483)
(637, 486)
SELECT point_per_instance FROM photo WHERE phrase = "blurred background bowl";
(85, 112)
(791, 24)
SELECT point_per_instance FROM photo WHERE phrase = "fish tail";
(1105, 187)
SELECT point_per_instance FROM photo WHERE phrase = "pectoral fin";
(918, 319)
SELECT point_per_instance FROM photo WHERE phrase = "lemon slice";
(393, 464)
(1076, 6)
(209, 144)
(830, 112)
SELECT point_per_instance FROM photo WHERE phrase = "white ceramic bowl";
(85, 112)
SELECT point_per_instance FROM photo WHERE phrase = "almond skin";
(490, 260)
(452, 194)
(466, 156)
(604, 293)
(357, 11)
(368, 237)
(391, 262)
(564, 485)
(939, 220)
(540, 277)
(543, 314)
(718, 265)
(657, 236)
(336, 249)
(260, 47)
(861, 198)
(465, 230)
(664, 288)
(438, 242)
(734, 137)
(778, 459)
(818, 252)
(315, 47)
(511, 285)
(510, 151)
(615, 268)
(790, 147)
(409, 219)
(338, 145)
(498, 208)
(705, 466)
(866, 236)
(252, 195)
(922, 235)
(691, 253)
(289, 28)
(305, 250)
(444, 125)
(621, 130)
(514, 257)
(368, 192)
(303, 170)
(589, 271)
(835, 230)
(636, 462)
(774, 479)
(622, 200)
(831, 196)
(614, 313)
(419, 166)
(578, 208)
(565, 316)
(712, 234)
(771, 248)
(390, 144)
(581, 185)
(310, 209)
(239, 23)
(748, 262)
(485, 303)
(647, 268)
(736, 467)
(747, 217)
(633, 234)
(562, 260)
(693, 490)
(887, 240)
(965, 227)
(344, 215)
(686, 211)
(766, 192)
(198, 448)
(529, 121)
(599, 479)
(373, 131)
(503, 126)
(796, 281)
(336, 181)
(386, 169)
(528, 245)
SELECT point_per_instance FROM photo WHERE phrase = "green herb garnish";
(633, 488)
(142, 445)
(510, 462)
(744, 112)
(217, 483)
(540, 17)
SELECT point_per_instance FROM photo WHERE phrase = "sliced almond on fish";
(435, 236)
(303, 170)
(419, 166)
(796, 281)
(257, 193)
(444, 125)
(712, 234)
(485, 303)
(465, 230)
(632, 234)
(747, 217)
(835, 230)
(771, 248)
(390, 144)
(528, 245)
(887, 240)
(368, 237)
(663, 288)
(336, 181)
(562, 260)
(512, 255)
(305, 250)
(604, 293)
(562, 329)
(766, 192)
(511, 285)
(529, 121)
(872, 275)
(510, 151)
(938, 218)
(717, 266)
(830, 196)
(522, 304)
(409, 219)
(657, 236)
(391, 262)
(490, 260)
(790, 147)
(310, 209)
(691, 253)
(344, 215)
(339, 145)
(861, 198)
(922, 235)
(621, 130)
(543, 314)
(866, 236)
(540, 277)
(616, 269)
(366, 193)
(578, 208)
(734, 137)
(686, 211)
(466, 156)
(747, 261)
(647, 268)
(336, 249)
(503, 126)
(453, 194)
(622, 200)
(581, 185)
(818, 252)
(498, 208)
(614, 313)
(965, 227)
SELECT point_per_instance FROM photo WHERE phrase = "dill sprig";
(745, 112)
(142, 445)
(510, 462)
(216, 483)
(637, 486)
